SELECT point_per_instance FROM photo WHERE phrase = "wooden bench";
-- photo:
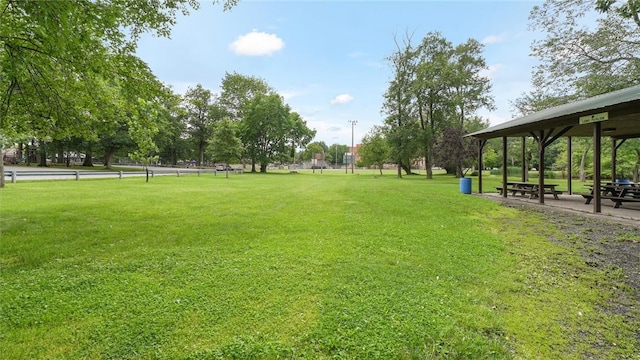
(619, 200)
(588, 197)
(514, 190)
(555, 193)
(522, 191)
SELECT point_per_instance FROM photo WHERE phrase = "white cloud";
(491, 71)
(257, 43)
(493, 39)
(495, 118)
(289, 94)
(342, 99)
(181, 87)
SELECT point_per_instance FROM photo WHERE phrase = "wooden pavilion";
(615, 115)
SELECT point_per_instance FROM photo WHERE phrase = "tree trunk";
(28, 157)
(407, 169)
(108, 156)
(2, 169)
(172, 156)
(88, 161)
(400, 169)
(583, 174)
(20, 153)
(60, 159)
(201, 156)
(43, 155)
(263, 168)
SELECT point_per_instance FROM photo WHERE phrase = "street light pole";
(353, 152)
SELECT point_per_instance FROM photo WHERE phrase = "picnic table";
(616, 192)
(529, 188)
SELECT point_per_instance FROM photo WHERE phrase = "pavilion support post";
(481, 144)
(569, 166)
(504, 166)
(541, 145)
(614, 156)
(597, 147)
(525, 168)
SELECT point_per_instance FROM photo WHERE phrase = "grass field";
(292, 266)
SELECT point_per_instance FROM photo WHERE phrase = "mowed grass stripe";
(275, 265)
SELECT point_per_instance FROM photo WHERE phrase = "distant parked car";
(223, 168)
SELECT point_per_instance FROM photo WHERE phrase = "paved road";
(56, 173)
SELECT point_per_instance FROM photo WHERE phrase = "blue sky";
(327, 58)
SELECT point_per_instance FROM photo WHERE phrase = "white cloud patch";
(181, 87)
(493, 39)
(289, 94)
(491, 71)
(342, 99)
(257, 43)
(495, 119)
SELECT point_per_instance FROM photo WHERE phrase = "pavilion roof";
(622, 109)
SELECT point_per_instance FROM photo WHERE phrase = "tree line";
(589, 47)
(70, 82)
(431, 102)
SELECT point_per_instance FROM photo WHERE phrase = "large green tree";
(225, 145)
(471, 90)
(301, 134)
(171, 137)
(237, 89)
(436, 86)
(589, 47)
(401, 127)
(201, 113)
(374, 150)
(431, 87)
(585, 52)
(268, 129)
(316, 147)
(142, 130)
(59, 61)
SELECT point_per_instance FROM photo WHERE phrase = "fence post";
(178, 171)
(13, 176)
(77, 175)
(153, 174)
(120, 175)
(198, 173)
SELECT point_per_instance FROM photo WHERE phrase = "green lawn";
(291, 266)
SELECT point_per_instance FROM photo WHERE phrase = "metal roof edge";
(593, 103)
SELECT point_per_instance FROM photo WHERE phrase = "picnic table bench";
(618, 193)
(523, 188)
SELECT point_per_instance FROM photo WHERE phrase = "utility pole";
(353, 152)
